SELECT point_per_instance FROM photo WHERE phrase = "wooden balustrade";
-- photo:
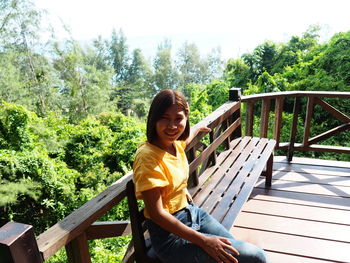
(313, 98)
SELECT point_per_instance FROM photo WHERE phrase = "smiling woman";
(179, 230)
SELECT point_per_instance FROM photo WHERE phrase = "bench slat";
(235, 185)
(210, 170)
(232, 166)
(206, 188)
(248, 186)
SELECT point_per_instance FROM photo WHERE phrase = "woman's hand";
(218, 248)
(204, 129)
(201, 128)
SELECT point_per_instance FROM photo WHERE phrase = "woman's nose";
(171, 124)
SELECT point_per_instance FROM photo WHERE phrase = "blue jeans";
(173, 249)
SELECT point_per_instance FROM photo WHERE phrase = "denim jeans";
(173, 249)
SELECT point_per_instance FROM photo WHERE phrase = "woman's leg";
(209, 226)
(173, 249)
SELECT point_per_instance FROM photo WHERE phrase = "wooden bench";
(223, 173)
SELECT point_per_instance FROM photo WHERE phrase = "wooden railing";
(312, 98)
(76, 229)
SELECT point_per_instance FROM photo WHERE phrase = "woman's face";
(171, 125)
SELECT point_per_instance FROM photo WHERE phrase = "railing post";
(78, 250)
(278, 120)
(194, 175)
(264, 122)
(249, 119)
(18, 244)
(235, 95)
(309, 113)
(293, 132)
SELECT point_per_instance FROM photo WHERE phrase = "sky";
(235, 26)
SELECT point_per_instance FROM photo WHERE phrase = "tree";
(119, 56)
(140, 75)
(195, 69)
(296, 49)
(237, 73)
(262, 59)
(85, 88)
(165, 75)
(189, 65)
(22, 65)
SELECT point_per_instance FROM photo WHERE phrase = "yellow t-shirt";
(154, 167)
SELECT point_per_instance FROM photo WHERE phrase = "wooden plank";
(300, 199)
(291, 94)
(264, 122)
(312, 161)
(226, 192)
(315, 147)
(296, 245)
(209, 194)
(336, 113)
(276, 257)
(278, 120)
(202, 194)
(235, 145)
(317, 214)
(312, 178)
(312, 169)
(330, 133)
(292, 226)
(301, 187)
(99, 230)
(247, 189)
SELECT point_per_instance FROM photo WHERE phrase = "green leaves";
(14, 127)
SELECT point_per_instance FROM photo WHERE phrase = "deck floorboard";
(305, 215)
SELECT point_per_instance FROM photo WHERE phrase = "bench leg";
(268, 172)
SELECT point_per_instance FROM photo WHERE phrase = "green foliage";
(217, 93)
(49, 167)
(236, 73)
(14, 127)
(199, 107)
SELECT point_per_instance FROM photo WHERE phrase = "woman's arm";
(194, 133)
(215, 246)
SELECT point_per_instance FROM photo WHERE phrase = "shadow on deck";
(305, 216)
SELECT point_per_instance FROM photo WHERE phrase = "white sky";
(235, 26)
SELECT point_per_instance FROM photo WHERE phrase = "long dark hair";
(161, 102)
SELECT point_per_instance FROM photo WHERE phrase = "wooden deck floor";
(304, 217)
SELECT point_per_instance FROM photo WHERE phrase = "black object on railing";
(234, 94)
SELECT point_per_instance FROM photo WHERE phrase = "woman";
(179, 230)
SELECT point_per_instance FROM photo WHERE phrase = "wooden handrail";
(284, 94)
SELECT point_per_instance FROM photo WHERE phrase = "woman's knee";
(250, 253)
